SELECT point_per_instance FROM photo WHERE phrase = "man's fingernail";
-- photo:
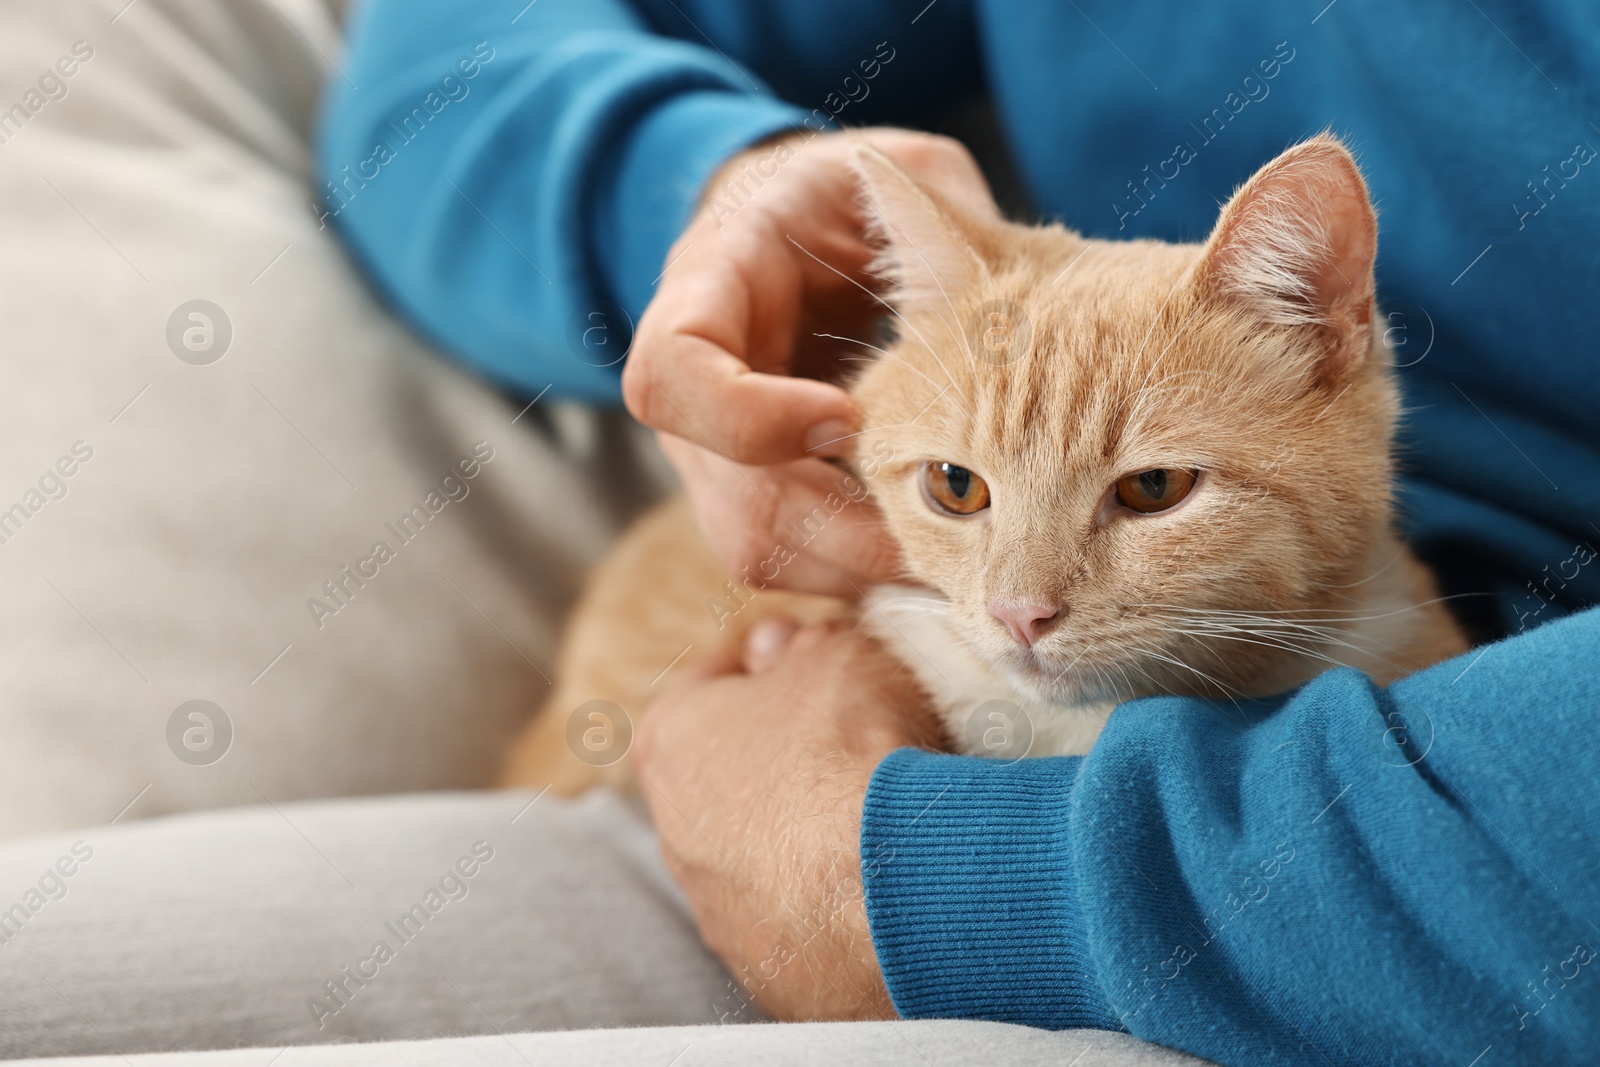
(768, 638)
(828, 438)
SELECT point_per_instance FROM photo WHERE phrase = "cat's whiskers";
(1231, 693)
(1363, 581)
(1312, 640)
(1103, 683)
(1154, 647)
(1259, 625)
(1129, 689)
(1325, 626)
(853, 341)
(1275, 642)
(1311, 615)
(1122, 669)
(1160, 687)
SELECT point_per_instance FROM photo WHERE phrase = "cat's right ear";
(925, 255)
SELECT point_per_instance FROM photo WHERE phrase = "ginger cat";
(1115, 469)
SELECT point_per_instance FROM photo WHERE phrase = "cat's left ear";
(1296, 245)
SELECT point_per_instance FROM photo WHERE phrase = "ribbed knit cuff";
(661, 173)
(971, 892)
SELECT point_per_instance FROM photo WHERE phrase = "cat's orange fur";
(1253, 359)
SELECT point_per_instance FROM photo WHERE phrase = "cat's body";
(1114, 469)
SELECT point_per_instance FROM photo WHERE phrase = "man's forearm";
(1353, 875)
(513, 174)
(514, 183)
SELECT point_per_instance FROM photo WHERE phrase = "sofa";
(241, 750)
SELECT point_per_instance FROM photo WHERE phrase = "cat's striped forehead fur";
(1051, 366)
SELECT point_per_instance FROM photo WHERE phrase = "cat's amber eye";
(955, 489)
(1154, 490)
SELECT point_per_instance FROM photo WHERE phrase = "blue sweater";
(1344, 875)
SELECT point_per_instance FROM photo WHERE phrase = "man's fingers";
(727, 313)
(715, 664)
(712, 399)
(806, 526)
(664, 717)
(833, 564)
(839, 525)
(826, 519)
(766, 642)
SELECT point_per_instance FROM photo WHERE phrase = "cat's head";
(1106, 455)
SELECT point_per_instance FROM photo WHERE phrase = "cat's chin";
(1006, 711)
(1049, 684)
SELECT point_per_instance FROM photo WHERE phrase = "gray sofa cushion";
(410, 917)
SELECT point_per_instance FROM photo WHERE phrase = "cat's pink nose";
(1027, 620)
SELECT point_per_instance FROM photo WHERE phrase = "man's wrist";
(735, 182)
(971, 894)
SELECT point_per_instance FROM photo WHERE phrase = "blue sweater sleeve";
(511, 174)
(1347, 875)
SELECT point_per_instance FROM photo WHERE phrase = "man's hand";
(756, 781)
(727, 357)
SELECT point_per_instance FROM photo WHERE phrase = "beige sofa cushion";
(166, 515)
